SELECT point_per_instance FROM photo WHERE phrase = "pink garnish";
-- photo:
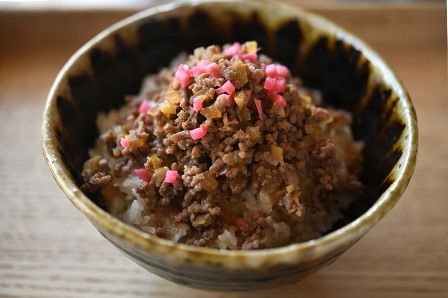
(233, 49)
(248, 93)
(269, 83)
(213, 70)
(124, 143)
(252, 57)
(275, 83)
(219, 91)
(183, 76)
(196, 71)
(239, 222)
(259, 108)
(143, 174)
(203, 63)
(271, 71)
(171, 176)
(229, 100)
(280, 85)
(280, 100)
(199, 132)
(282, 71)
(144, 107)
(236, 56)
(228, 87)
(197, 104)
(199, 68)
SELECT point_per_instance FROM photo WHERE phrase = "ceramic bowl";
(348, 72)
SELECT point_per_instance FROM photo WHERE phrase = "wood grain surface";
(48, 248)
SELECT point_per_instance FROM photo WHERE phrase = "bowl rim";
(291, 254)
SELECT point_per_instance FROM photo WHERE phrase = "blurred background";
(141, 4)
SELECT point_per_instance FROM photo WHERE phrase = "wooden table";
(48, 248)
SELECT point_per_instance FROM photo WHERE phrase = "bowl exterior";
(200, 272)
(349, 74)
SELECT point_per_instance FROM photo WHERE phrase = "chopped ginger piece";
(225, 120)
(209, 183)
(251, 46)
(172, 97)
(167, 108)
(240, 99)
(153, 111)
(241, 74)
(156, 162)
(307, 99)
(277, 153)
(211, 112)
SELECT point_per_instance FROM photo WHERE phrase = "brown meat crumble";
(225, 151)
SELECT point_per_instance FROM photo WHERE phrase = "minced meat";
(225, 150)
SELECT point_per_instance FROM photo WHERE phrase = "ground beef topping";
(226, 150)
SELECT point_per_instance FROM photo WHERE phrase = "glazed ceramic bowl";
(349, 74)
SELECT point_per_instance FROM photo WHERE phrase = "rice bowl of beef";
(363, 95)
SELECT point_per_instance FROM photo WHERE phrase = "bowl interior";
(349, 75)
